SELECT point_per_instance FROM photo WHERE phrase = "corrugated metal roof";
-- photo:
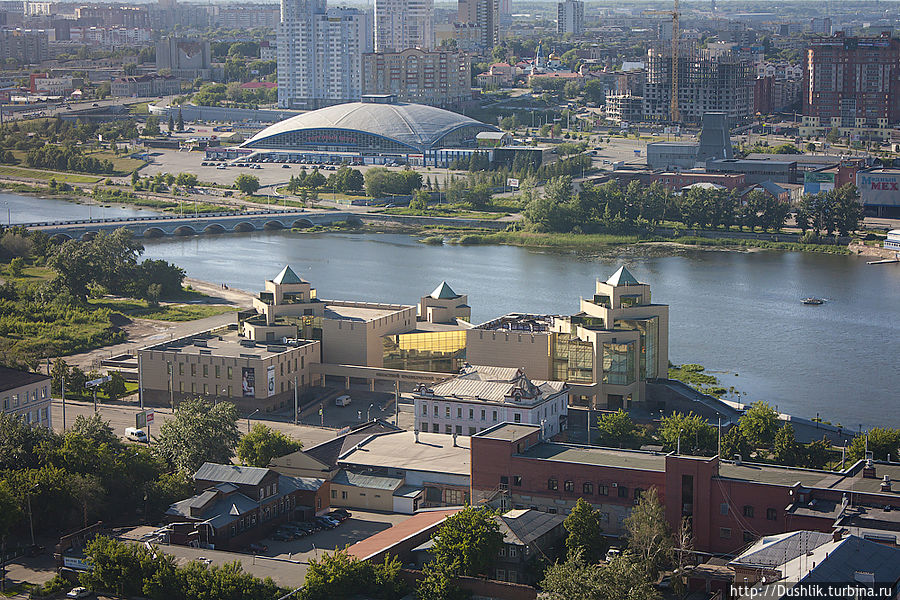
(236, 474)
(522, 527)
(778, 549)
(375, 482)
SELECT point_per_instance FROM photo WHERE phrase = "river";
(739, 314)
(28, 209)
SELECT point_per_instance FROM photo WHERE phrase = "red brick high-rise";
(852, 81)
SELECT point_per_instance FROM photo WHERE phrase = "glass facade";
(572, 359)
(649, 330)
(618, 362)
(438, 351)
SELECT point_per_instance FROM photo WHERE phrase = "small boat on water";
(813, 301)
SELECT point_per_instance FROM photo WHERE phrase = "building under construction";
(722, 83)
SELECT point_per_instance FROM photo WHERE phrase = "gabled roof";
(361, 480)
(622, 277)
(328, 452)
(523, 527)
(775, 550)
(13, 378)
(444, 292)
(235, 474)
(286, 276)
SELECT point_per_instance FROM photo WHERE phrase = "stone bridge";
(215, 223)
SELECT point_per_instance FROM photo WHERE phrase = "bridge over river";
(214, 223)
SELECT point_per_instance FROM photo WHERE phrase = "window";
(229, 371)
(748, 511)
(193, 369)
(471, 431)
(333, 494)
(448, 429)
(471, 413)
(435, 410)
(343, 495)
(435, 428)
(517, 480)
(459, 430)
(638, 492)
(603, 490)
(206, 370)
(517, 418)
(218, 371)
(282, 368)
(482, 414)
(569, 486)
(459, 412)
(587, 489)
(623, 491)
(552, 484)
(447, 411)
(502, 553)
(771, 514)
(424, 410)
(193, 388)
(181, 368)
(495, 416)
(723, 508)
(725, 533)
(501, 574)
(512, 554)
(205, 389)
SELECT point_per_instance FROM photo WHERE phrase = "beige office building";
(440, 78)
(222, 365)
(606, 352)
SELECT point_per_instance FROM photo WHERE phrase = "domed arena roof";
(415, 125)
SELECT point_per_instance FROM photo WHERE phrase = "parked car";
(280, 536)
(136, 435)
(327, 523)
(285, 166)
(340, 517)
(342, 400)
(343, 511)
(79, 592)
(257, 547)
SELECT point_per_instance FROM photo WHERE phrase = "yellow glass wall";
(438, 351)
(573, 359)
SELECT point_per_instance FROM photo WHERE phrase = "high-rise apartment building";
(723, 83)
(851, 83)
(435, 78)
(484, 15)
(402, 24)
(185, 58)
(570, 17)
(320, 53)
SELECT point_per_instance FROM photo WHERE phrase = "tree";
(880, 441)
(786, 449)
(246, 183)
(314, 180)
(419, 200)
(179, 122)
(585, 534)
(696, 434)
(622, 579)
(262, 444)
(16, 266)
(186, 179)
(649, 538)
(338, 575)
(734, 443)
(759, 424)
(171, 123)
(151, 128)
(115, 387)
(468, 542)
(617, 430)
(199, 432)
(10, 515)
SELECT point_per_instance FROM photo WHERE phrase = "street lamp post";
(248, 419)
(368, 411)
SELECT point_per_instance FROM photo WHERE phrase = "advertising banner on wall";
(248, 381)
(815, 182)
(879, 189)
(270, 389)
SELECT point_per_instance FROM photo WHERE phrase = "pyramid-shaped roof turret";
(287, 275)
(622, 277)
(444, 292)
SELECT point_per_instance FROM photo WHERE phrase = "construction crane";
(676, 35)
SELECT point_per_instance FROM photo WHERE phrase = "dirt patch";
(219, 295)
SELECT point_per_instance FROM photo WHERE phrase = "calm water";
(736, 313)
(739, 314)
(24, 209)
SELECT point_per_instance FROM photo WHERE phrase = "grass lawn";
(166, 312)
(143, 108)
(123, 164)
(8, 171)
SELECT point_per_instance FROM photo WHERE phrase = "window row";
(32, 396)
(749, 511)
(587, 488)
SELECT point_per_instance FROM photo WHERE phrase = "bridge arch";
(60, 237)
(302, 224)
(154, 232)
(244, 226)
(184, 230)
(214, 229)
(273, 225)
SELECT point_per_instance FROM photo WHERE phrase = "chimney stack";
(886, 484)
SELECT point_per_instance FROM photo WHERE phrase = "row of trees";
(67, 158)
(381, 182)
(637, 208)
(343, 180)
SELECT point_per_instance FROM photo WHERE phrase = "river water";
(25, 209)
(739, 314)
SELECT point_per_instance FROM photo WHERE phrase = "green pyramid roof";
(443, 292)
(287, 275)
(622, 277)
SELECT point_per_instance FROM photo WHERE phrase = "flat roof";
(602, 457)
(519, 322)
(360, 311)
(429, 327)
(772, 474)
(858, 483)
(227, 343)
(434, 452)
(509, 432)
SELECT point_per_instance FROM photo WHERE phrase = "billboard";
(270, 376)
(248, 382)
(879, 188)
(816, 181)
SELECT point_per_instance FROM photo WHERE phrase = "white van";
(342, 400)
(137, 435)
